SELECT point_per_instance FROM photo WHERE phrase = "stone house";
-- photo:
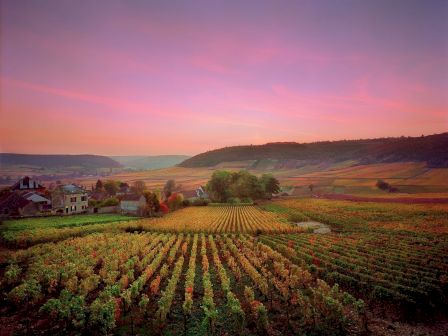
(70, 199)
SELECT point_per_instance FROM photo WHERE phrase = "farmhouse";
(69, 199)
(132, 204)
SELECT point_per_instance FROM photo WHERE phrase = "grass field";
(42, 229)
(233, 270)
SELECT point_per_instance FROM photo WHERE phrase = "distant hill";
(432, 149)
(58, 161)
(150, 162)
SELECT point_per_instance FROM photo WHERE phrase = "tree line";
(242, 186)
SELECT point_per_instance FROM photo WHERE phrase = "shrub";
(247, 200)
(201, 202)
(380, 184)
(112, 201)
(234, 200)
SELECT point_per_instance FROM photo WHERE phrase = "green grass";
(60, 221)
(29, 231)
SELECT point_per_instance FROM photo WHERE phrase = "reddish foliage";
(117, 309)
(294, 299)
(172, 198)
(164, 208)
(254, 304)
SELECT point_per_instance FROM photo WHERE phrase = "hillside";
(149, 162)
(430, 149)
(57, 161)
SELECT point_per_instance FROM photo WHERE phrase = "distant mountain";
(432, 149)
(150, 162)
(58, 161)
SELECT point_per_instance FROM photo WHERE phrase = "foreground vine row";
(156, 281)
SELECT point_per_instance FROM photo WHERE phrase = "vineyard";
(226, 270)
(219, 219)
(197, 283)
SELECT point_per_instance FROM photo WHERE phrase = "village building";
(27, 183)
(132, 204)
(123, 189)
(70, 199)
(201, 193)
(23, 203)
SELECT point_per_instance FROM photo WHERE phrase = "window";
(83, 198)
(73, 199)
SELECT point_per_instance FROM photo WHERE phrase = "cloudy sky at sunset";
(182, 77)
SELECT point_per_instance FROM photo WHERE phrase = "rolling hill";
(58, 161)
(149, 162)
(430, 149)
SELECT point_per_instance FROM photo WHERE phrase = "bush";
(201, 202)
(112, 201)
(380, 184)
(234, 200)
(186, 202)
(247, 200)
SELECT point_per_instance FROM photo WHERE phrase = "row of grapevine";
(217, 219)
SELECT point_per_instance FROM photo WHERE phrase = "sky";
(183, 77)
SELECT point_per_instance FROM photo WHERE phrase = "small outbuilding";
(132, 204)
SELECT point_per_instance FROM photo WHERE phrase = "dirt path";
(406, 200)
(316, 226)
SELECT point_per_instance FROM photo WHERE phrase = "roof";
(98, 195)
(31, 196)
(72, 189)
(27, 182)
(131, 197)
(13, 201)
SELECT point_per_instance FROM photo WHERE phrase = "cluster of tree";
(156, 201)
(383, 185)
(225, 186)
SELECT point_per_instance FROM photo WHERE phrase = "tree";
(218, 186)
(138, 187)
(164, 208)
(245, 185)
(111, 187)
(270, 184)
(169, 187)
(152, 202)
(175, 201)
(99, 185)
